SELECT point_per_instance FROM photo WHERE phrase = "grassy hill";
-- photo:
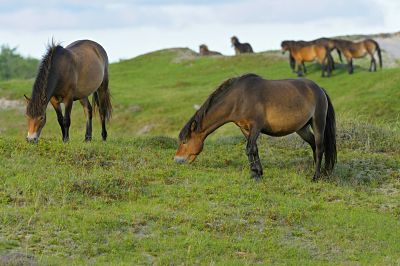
(126, 202)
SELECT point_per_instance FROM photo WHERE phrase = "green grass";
(126, 202)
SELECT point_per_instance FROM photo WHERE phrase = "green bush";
(14, 66)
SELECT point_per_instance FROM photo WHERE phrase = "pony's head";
(191, 142)
(36, 106)
(193, 134)
(203, 48)
(36, 121)
(234, 40)
(285, 45)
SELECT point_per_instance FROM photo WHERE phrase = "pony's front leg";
(304, 67)
(292, 63)
(252, 153)
(67, 119)
(60, 118)
(350, 65)
(323, 66)
(299, 70)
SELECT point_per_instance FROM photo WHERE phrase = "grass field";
(126, 202)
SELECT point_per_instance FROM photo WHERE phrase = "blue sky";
(129, 28)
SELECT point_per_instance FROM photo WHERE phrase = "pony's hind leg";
(60, 118)
(88, 113)
(318, 126)
(102, 116)
(373, 64)
(306, 134)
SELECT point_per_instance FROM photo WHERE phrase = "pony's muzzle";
(179, 159)
(32, 138)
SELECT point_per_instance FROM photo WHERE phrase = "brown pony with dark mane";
(203, 51)
(302, 51)
(360, 49)
(241, 48)
(66, 75)
(272, 107)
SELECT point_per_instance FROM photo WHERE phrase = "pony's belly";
(360, 53)
(278, 130)
(281, 125)
(85, 88)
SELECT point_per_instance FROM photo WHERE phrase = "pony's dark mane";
(198, 117)
(36, 105)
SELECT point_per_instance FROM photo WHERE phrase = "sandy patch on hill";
(390, 45)
(184, 54)
(10, 104)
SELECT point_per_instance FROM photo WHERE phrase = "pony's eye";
(41, 118)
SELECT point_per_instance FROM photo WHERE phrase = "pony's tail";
(378, 49)
(102, 99)
(330, 137)
(250, 49)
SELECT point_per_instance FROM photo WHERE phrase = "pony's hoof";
(256, 176)
(65, 140)
(88, 139)
(315, 178)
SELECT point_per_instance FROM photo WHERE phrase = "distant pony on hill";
(203, 51)
(359, 49)
(241, 48)
(302, 51)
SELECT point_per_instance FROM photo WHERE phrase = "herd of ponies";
(256, 105)
(317, 50)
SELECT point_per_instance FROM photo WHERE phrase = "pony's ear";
(27, 99)
(193, 126)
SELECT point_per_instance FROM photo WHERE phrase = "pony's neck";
(45, 84)
(216, 117)
(51, 84)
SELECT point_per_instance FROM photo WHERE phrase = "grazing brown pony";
(66, 75)
(272, 107)
(306, 52)
(292, 61)
(241, 48)
(205, 52)
(360, 49)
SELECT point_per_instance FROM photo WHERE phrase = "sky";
(130, 28)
